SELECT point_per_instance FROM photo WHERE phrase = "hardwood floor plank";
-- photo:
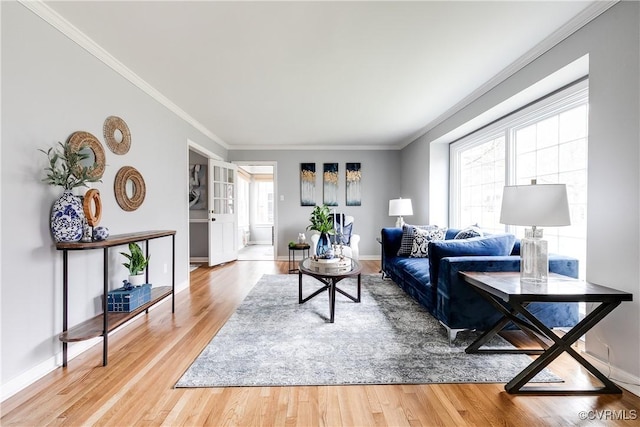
(149, 355)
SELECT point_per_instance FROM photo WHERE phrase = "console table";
(498, 287)
(105, 322)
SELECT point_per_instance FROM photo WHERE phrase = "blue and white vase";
(323, 248)
(67, 218)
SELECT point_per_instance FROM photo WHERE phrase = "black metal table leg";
(562, 345)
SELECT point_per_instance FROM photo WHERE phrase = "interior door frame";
(274, 164)
(210, 155)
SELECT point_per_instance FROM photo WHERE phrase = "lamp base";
(534, 257)
(399, 222)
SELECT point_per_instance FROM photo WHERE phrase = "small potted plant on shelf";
(136, 265)
(322, 222)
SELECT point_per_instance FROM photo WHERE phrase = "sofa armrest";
(391, 238)
(460, 307)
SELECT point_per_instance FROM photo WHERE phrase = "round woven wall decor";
(78, 141)
(124, 175)
(111, 125)
(92, 207)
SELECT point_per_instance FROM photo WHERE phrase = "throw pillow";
(408, 233)
(421, 239)
(469, 232)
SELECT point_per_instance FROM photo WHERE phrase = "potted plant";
(136, 265)
(66, 170)
(322, 222)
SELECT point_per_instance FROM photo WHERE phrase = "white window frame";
(553, 104)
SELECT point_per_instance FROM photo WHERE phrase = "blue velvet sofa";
(435, 283)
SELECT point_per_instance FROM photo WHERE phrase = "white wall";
(51, 87)
(380, 182)
(612, 42)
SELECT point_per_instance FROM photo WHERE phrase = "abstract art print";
(353, 187)
(197, 187)
(307, 184)
(330, 184)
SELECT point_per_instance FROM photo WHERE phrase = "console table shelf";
(92, 328)
(102, 324)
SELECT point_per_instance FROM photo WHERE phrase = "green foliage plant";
(321, 220)
(65, 167)
(137, 261)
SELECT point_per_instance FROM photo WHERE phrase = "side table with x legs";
(499, 287)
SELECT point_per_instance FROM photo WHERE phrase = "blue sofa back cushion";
(493, 245)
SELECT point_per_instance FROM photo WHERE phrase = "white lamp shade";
(537, 204)
(400, 207)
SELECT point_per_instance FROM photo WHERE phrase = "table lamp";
(533, 206)
(400, 207)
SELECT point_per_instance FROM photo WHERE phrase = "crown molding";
(73, 33)
(591, 12)
(325, 147)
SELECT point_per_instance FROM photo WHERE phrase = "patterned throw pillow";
(421, 239)
(408, 231)
(469, 232)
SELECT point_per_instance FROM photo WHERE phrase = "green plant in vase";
(66, 169)
(322, 222)
(136, 264)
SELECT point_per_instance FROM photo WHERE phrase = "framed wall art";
(354, 185)
(307, 184)
(330, 184)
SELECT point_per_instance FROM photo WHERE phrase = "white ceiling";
(307, 74)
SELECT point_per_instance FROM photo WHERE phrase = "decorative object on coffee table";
(321, 221)
(535, 205)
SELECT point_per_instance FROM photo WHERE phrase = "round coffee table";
(329, 280)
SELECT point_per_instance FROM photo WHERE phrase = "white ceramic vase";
(137, 280)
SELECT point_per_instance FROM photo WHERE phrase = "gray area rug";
(388, 338)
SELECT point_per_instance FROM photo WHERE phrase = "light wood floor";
(148, 356)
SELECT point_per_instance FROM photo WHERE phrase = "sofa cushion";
(408, 233)
(496, 245)
(421, 239)
(469, 232)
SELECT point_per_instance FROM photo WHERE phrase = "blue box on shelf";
(123, 299)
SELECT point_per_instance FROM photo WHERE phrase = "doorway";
(256, 211)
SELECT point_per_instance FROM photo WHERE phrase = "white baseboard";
(24, 380)
(259, 242)
(623, 379)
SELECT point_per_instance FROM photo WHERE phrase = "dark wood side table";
(293, 267)
(505, 286)
(499, 287)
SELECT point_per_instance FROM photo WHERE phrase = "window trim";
(554, 103)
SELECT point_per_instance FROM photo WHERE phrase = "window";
(264, 193)
(546, 141)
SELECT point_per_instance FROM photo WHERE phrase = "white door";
(223, 215)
